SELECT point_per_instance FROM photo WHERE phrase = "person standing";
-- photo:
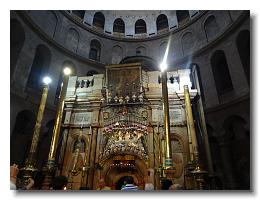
(129, 184)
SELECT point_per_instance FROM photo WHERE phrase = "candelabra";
(30, 163)
(198, 172)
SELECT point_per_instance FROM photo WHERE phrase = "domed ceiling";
(133, 24)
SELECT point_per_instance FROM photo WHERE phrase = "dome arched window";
(162, 22)
(140, 26)
(119, 26)
(99, 20)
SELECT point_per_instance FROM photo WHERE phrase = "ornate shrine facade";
(113, 127)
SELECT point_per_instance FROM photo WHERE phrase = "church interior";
(148, 94)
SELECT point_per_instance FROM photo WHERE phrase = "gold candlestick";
(198, 172)
(30, 163)
(168, 156)
(49, 169)
(190, 125)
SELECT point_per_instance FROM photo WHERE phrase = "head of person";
(165, 184)
(101, 183)
(59, 182)
(129, 180)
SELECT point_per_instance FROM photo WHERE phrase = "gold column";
(190, 154)
(190, 124)
(168, 155)
(198, 172)
(30, 163)
(58, 121)
(49, 170)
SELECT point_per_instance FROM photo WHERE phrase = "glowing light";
(46, 80)
(163, 65)
(67, 71)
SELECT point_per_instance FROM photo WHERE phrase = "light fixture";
(67, 71)
(47, 80)
(163, 66)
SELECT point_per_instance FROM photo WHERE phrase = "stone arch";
(119, 26)
(237, 136)
(179, 150)
(17, 38)
(221, 72)
(232, 124)
(243, 47)
(140, 27)
(72, 40)
(196, 76)
(99, 20)
(79, 13)
(187, 41)
(141, 51)
(183, 16)
(22, 136)
(95, 50)
(108, 173)
(117, 54)
(211, 27)
(44, 144)
(162, 22)
(39, 68)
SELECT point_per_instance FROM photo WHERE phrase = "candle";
(90, 130)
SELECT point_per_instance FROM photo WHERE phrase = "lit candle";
(90, 130)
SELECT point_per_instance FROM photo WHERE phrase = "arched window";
(99, 20)
(243, 46)
(17, 38)
(22, 136)
(140, 26)
(79, 13)
(95, 50)
(162, 22)
(44, 144)
(211, 27)
(196, 80)
(183, 16)
(72, 40)
(40, 67)
(119, 26)
(221, 72)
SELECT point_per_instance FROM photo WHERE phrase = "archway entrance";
(121, 182)
(118, 167)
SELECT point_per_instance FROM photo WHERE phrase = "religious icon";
(106, 115)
